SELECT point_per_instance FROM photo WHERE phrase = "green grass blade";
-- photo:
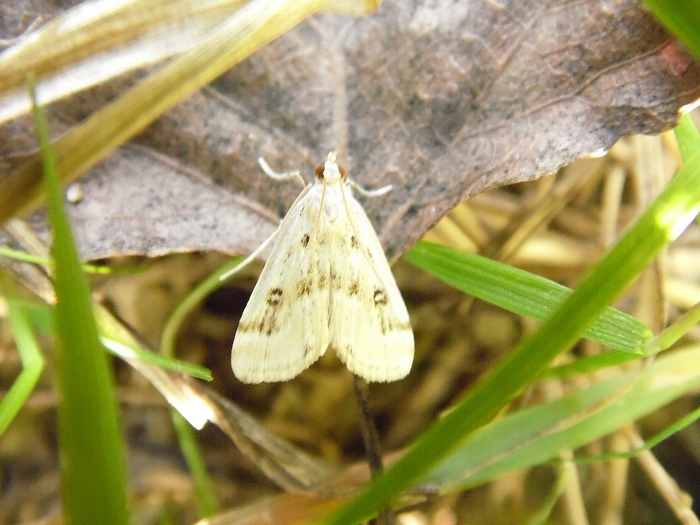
(522, 292)
(32, 365)
(688, 137)
(539, 434)
(206, 501)
(656, 344)
(588, 364)
(673, 333)
(554, 496)
(650, 443)
(34, 259)
(92, 465)
(211, 283)
(682, 17)
(662, 222)
(41, 319)
(176, 365)
(40, 315)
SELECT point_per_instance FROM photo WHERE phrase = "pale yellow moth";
(326, 283)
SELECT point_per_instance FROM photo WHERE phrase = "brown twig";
(371, 439)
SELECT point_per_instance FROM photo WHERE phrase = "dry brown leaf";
(440, 100)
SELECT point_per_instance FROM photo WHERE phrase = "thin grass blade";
(92, 463)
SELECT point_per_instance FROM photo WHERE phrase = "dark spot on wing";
(266, 325)
(380, 298)
(274, 297)
(335, 281)
(353, 242)
(305, 240)
(387, 324)
(303, 287)
(354, 288)
(383, 324)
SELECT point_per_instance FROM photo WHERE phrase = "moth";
(326, 283)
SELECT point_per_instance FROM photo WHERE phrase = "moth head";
(330, 172)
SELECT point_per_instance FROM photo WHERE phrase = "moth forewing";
(370, 328)
(327, 281)
(284, 328)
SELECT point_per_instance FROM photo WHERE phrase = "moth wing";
(284, 327)
(369, 325)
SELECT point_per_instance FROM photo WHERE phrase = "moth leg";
(280, 176)
(370, 193)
